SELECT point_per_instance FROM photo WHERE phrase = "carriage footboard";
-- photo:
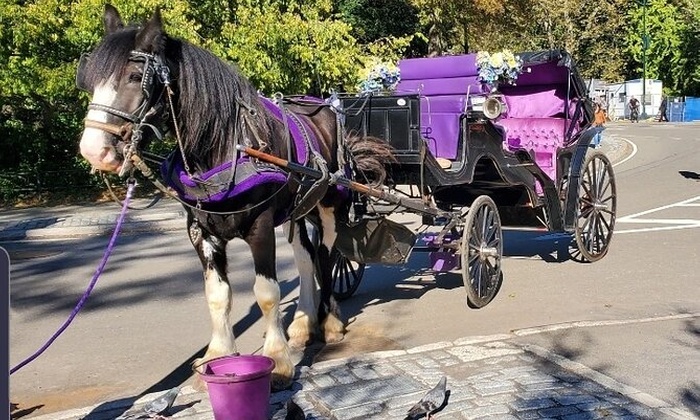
(377, 240)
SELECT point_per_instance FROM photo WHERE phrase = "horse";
(145, 84)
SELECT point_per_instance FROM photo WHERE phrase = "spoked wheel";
(482, 249)
(596, 209)
(347, 275)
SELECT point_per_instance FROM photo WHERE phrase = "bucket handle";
(197, 367)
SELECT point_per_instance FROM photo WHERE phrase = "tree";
(372, 20)
(668, 30)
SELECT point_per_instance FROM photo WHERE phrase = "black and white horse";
(145, 83)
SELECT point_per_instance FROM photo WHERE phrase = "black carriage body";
(524, 160)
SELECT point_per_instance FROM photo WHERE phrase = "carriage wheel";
(597, 204)
(481, 249)
(347, 275)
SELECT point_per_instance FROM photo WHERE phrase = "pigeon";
(431, 401)
(154, 409)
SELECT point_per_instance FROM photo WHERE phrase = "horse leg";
(212, 254)
(328, 310)
(261, 240)
(301, 330)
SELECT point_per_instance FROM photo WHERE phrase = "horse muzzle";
(103, 144)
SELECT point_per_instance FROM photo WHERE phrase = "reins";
(91, 285)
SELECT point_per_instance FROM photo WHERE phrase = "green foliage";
(369, 23)
(308, 46)
(293, 49)
(671, 31)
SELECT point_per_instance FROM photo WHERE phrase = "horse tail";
(370, 157)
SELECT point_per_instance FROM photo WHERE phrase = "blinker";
(80, 75)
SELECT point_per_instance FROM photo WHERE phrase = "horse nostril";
(125, 131)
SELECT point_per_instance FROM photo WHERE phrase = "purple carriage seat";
(536, 115)
(443, 84)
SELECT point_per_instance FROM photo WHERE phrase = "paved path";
(488, 377)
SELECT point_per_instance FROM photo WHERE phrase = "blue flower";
(499, 67)
(379, 76)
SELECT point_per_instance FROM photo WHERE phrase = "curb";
(128, 228)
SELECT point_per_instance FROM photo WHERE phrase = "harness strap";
(118, 130)
(114, 111)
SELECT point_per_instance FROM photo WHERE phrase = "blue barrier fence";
(691, 111)
(675, 111)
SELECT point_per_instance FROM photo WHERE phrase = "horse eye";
(135, 77)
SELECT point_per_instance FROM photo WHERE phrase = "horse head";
(127, 76)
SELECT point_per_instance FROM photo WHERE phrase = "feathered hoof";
(281, 381)
(331, 337)
(333, 329)
(197, 366)
(300, 341)
(198, 384)
(300, 332)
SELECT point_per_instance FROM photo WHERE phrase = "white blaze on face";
(95, 144)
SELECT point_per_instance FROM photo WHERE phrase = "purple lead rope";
(96, 276)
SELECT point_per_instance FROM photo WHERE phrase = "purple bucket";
(239, 386)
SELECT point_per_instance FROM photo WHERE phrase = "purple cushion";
(438, 67)
(544, 74)
(541, 136)
(538, 134)
(534, 102)
(446, 86)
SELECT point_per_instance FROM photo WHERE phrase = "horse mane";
(208, 91)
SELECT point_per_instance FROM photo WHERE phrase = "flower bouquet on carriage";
(502, 67)
(378, 77)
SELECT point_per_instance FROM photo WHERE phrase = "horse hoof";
(198, 384)
(301, 332)
(300, 342)
(331, 337)
(281, 382)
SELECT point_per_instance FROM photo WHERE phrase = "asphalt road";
(147, 318)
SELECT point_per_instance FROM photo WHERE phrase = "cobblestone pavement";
(487, 378)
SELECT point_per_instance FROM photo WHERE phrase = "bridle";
(156, 74)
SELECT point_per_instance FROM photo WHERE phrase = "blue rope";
(96, 276)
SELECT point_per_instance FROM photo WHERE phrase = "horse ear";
(112, 20)
(151, 38)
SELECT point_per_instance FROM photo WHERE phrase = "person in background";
(662, 109)
(599, 123)
(634, 109)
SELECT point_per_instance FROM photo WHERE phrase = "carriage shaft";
(415, 205)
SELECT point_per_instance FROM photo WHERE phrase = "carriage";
(477, 159)
(464, 158)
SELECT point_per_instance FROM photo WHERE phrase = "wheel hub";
(598, 206)
(486, 252)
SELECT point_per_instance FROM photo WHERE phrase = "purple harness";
(216, 185)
